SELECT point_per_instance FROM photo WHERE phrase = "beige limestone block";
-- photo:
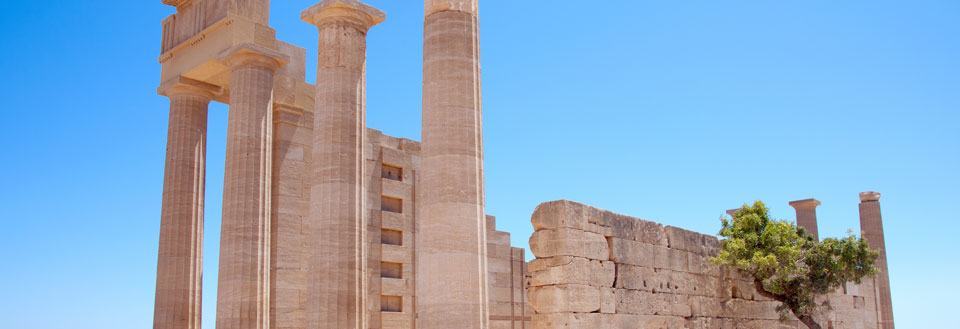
(569, 242)
(565, 298)
(337, 295)
(451, 233)
(243, 290)
(575, 270)
(179, 264)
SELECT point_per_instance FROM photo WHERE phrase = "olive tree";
(787, 264)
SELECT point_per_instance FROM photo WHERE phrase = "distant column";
(179, 265)
(807, 216)
(337, 292)
(243, 291)
(451, 233)
(871, 228)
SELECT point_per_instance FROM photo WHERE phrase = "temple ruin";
(330, 224)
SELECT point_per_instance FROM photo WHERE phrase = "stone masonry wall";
(598, 269)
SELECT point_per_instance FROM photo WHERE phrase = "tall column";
(243, 291)
(871, 229)
(451, 233)
(337, 292)
(179, 265)
(807, 216)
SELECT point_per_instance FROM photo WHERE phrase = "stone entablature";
(599, 269)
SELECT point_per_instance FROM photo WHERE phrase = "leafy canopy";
(787, 264)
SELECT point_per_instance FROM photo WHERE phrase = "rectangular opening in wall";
(391, 237)
(391, 304)
(391, 204)
(391, 172)
(391, 270)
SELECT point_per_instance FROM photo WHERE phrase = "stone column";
(337, 292)
(179, 265)
(807, 216)
(871, 229)
(243, 292)
(451, 233)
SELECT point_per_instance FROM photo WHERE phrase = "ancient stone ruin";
(330, 224)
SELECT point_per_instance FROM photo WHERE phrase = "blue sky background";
(667, 110)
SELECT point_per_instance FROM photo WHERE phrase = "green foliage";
(787, 264)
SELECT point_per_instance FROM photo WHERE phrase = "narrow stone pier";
(451, 232)
(337, 292)
(807, 216)
(871, 228)
(243, 294)
(179, 265)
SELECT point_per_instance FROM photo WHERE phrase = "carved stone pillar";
(807, 216)
(871, 229)
(337, 291)
(451, 229)
(179, 265)
(243, 293)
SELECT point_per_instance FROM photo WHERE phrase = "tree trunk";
(808, 320)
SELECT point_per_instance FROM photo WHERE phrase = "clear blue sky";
(668, 110)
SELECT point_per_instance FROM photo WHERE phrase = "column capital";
(249, 54)
(352, 12)
(732, 212)
(185, 86)
(176, 3)
(869, 196)
(434, 6)
(805, 203)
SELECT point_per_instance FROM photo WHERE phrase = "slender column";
(337, 292)
(451, 233)
(871, 229)
(243, 291)
(807, 216)
(179, 265)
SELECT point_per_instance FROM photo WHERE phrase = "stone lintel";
(184, 85)
(869, 196)
(805, 203)
(435, 6)
(351, 12)
(249, 54)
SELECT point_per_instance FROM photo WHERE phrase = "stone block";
(572, 270)
(565, 298)
(569, 242)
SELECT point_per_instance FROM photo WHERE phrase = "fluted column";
(871, 228)
(451, 229)
(807, 216)
(243, 292)
(179, 265)
(337, 292)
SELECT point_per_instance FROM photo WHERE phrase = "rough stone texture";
(243, 290)
(337, 293)
(507, 281)
(871, 228)
(179, 264)
(451, 241)
(654, 276)
(807, 216)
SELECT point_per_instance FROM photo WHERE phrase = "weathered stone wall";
(598, 269)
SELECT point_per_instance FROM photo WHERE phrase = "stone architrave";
(451, 234)
(243, 292)
(337, 291)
